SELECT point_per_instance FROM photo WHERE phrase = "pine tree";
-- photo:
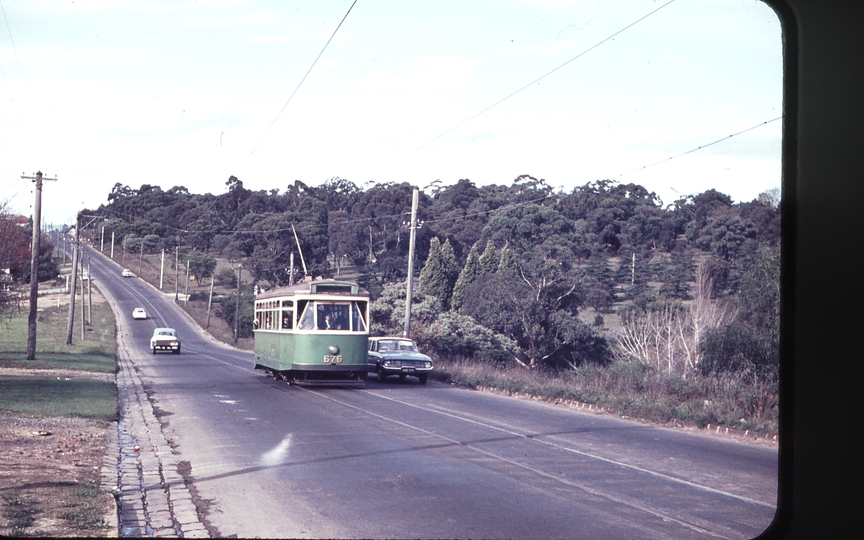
(508, 264)
(440, 272)
(489, 260)
(466, 277)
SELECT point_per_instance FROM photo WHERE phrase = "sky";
(189, 93)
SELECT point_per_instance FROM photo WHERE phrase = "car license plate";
(408, 369)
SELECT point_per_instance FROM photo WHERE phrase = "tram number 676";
(332, 359)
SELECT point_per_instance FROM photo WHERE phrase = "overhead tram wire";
(703, 146)
(301, 83)
(583, 53)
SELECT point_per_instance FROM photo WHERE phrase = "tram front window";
(333, 317)
(357, 315)
(345, 316)
(307, 320)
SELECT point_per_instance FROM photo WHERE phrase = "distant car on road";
(165, 339)
(126, 273)
(398, 356)
(139, 313)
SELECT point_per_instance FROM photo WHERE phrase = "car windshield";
(166, 333)
(396, 345)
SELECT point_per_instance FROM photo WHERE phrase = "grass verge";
(634, 390)
(59, 396)
(96, 352)
(54, 413)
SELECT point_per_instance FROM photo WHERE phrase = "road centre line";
(586, 454)
(535, 470)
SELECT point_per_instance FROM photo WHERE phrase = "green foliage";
(489, 261)
(440, 272)
(554, 254)
(541, 321)
(48, 269)
(466, 277)
(751, 342)
(677, 276)
(201, 265)
(228, 305)
(226, 277)
(453, 335)
(387, 313)
(737, 347)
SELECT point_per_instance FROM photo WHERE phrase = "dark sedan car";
(398, 356)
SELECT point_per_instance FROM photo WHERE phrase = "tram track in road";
(545, 472)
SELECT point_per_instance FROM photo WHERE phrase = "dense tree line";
(506, 273)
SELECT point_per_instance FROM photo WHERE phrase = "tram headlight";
(334, 349)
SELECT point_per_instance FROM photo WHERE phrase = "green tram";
(314, 332)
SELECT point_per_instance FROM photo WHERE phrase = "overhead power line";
(703, 146)
(301, 82)
(583, 53)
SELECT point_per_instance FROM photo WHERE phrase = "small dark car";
(398, 356)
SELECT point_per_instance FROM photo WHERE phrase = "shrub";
(225, 277)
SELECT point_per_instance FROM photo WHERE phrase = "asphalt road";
(397, 459)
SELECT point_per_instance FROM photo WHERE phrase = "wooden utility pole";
(162, 270)
(209, 302)
(89, 293)
(412, 227)
(81, 264)
(76, 260)
(176, 273)
(112, 245)
(237, 307)
(186, 300)
(71, 321)
(34, 264)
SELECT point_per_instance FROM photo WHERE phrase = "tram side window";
(258, 317)
(287, 319)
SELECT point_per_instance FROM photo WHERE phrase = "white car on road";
(139, 313)
(126, 273)
(165, 339)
